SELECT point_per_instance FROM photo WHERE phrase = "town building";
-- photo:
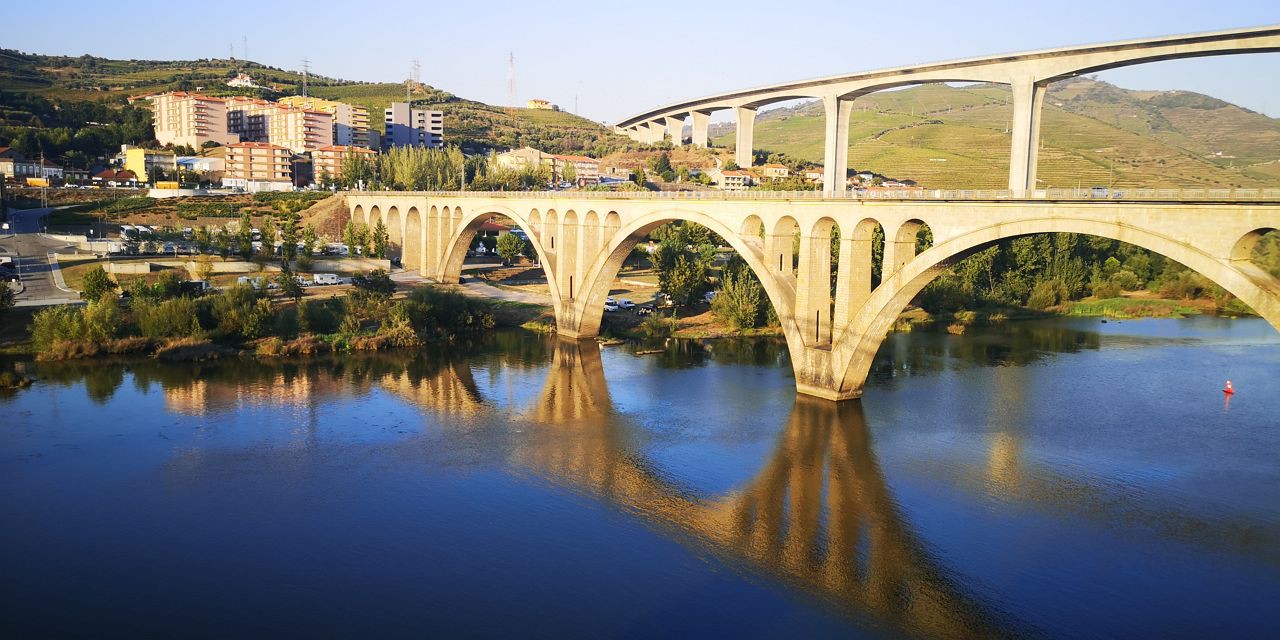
(328, 160)
(731, 179)
(298, 129)
(243, 80)
(350, 122)
(182, 118)
(115, 178)
(587, 170)
(815, 175)
(150, 163)
(258, 166)
(14, 165)
(539, 103)
(775, 171)
(202, 164)
(409, 127)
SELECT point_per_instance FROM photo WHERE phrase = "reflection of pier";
(860, 556)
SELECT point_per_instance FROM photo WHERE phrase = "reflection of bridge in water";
(818, 515)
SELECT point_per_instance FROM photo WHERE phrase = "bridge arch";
(414, 241)
(1251, 285)
(465, 231)
(357, 213)
(373, 214)
(599, 276)
(395, 232)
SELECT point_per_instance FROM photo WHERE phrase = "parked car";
(326, 278)
(664, 300)
(609, 306)
(610, 300)
(644, 309)
(194, 287)
(709, 296)
(624, 303)
(302, 282)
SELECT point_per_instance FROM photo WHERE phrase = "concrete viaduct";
(1029, 74)
(582, 239)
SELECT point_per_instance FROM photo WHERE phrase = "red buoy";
(1228, 390)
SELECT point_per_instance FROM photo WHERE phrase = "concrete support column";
(781, 260)
(701, 121)
(656, 130)
(813, 288)
(848, 281)
(896, 254)
(746, 134)
(1028, 104)
(430, 258)
(835, 166)
(675, 127)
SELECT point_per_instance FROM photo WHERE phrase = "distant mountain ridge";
(1093, 133)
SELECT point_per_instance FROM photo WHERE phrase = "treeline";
(159, 318)
(419, 169)
(68, 132)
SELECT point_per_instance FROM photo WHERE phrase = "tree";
(686, 277)
(354, 235)
(7, 299)
(731, 166)
(309, 239)
(268, 237)
(202, 239)
(510, 246)
(289, 283)
(289, 237)
(376, 283)
(570, 173)
(244, 235)
(379, 239)
(97, 284)
(641, 179)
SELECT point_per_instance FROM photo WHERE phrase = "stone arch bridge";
(833, 332)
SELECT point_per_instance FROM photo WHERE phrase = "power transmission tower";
(244, 48)
(511, 78)
(306, 72)
(415, 78)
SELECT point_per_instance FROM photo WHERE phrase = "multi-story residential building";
(258, 166)
(350, 122)
(409, 127)
(586, 170)
(183, 118)
(301, 130)
(149, 163)
(328, 160)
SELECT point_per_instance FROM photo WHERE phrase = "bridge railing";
(1093, 194)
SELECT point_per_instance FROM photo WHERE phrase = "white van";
(326, 278)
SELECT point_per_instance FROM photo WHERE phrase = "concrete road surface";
(30, 253)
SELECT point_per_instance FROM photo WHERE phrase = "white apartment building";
(409, 127)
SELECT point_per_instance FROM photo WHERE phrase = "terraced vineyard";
(1092, 134)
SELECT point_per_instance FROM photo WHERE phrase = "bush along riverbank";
(158, 320)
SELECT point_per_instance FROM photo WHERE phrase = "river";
(1059, 478)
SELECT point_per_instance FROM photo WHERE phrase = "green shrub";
(172, 318)
(193, 210)
(53, 324)
(103, 320)
(657, 327)
(316, 317)
(241, 311)
(125, 205)
(1126, 280)
(440, 313)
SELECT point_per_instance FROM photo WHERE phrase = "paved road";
(30, 252)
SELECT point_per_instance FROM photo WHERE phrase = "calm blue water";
(1064, 478)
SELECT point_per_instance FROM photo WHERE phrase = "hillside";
(473, 125)
(1093, 133)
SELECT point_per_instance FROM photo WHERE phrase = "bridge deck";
(1172, 196)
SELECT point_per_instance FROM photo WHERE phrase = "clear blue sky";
(625, 57)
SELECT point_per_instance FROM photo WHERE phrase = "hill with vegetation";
(1093, 133)
(47, 93)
